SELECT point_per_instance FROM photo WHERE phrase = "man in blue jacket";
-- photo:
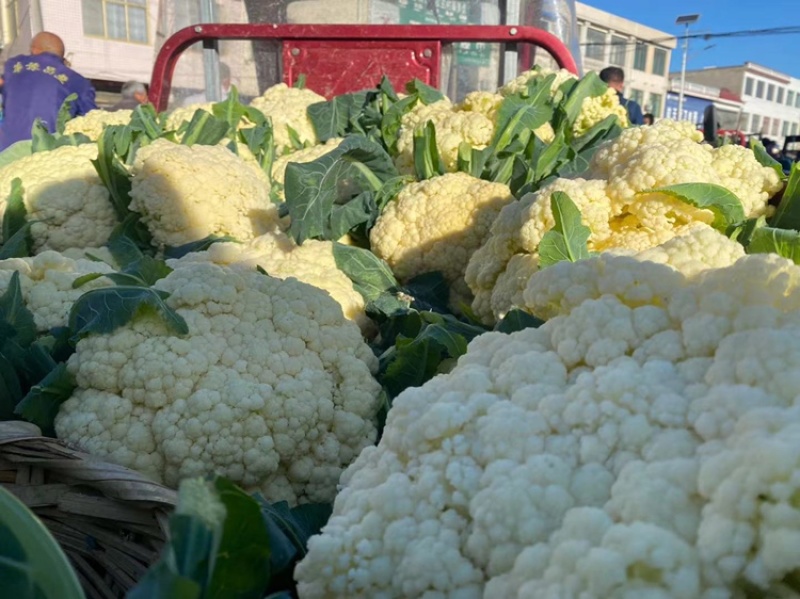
(36, 85)
(615, 78)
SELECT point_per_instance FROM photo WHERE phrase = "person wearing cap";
(36, 85)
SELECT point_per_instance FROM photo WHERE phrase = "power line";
(794, 29)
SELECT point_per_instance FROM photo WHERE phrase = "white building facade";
(770, 99)
(641, 51)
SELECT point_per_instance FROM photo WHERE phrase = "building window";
(655, 105)
(617, 56)
(797, 100)
(776, 125)
(659, 61)
(755, 124)
(124, 20)
(785, 129)
(779, 96)
(794, 128)
(595, 44)
(640, 57)
(760, 89)
(765, 125)
(748, 86)
(770, 92)
(789, 97)
(636, 95)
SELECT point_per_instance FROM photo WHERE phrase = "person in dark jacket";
(36, 85)
(133, 94)
(615, 79)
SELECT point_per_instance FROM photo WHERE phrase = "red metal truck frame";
(344, 36)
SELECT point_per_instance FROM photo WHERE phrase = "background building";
(641, 51)
(770, 100)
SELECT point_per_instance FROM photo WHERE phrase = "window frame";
(126, 5)
(616, 47)
(770, 92)
(760, 85)
(749, 85)
(640, 45)
(593, 47)
(656, 53)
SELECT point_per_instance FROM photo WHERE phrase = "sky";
(779, 52)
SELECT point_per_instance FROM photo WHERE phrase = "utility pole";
(684, 20)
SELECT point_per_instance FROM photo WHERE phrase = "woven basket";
(110, 521)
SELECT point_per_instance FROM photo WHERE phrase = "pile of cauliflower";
(473, 120)
(616, 203)
(643, 442)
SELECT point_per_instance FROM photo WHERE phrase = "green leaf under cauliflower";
(567, 240)
(106, 309)
(42, 402)
(769, 240)
(727, 208)
(312, 189)
(787, 215)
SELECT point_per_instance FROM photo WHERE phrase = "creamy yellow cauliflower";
(520, 83)
(287, 107)
(186, 193)
(594, 110)
(184, 114)
(277, 253)
(452, 128)
(271, 388)
(620, 214)
(437, 224)
(94, 122)
(68, 205)
(518, 230)
(46, 284)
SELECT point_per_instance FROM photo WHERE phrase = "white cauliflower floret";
(68, 205)
(595, 109)
(272, 387)
(94, 122)
(287, 107)
(312, 263)
(520, 84)
(184, 114)
(453, 127)
(618, 151)
(752, 182)
(643, 442)
(46, 284)
(519, 229)
(186, 193)
(437, 224)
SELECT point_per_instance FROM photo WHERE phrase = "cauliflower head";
(640, 443)
(186, 193)
(520, 83)
(94, 122)
(277, 253)
(453, 127)
(437, 224)
(271, 388)
(68, 205)
(595, 109)
(287, 107)
(517, 231)
(184, 114)
(46, 284)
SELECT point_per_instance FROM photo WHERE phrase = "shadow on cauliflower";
(272, 388)
(68, 205)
